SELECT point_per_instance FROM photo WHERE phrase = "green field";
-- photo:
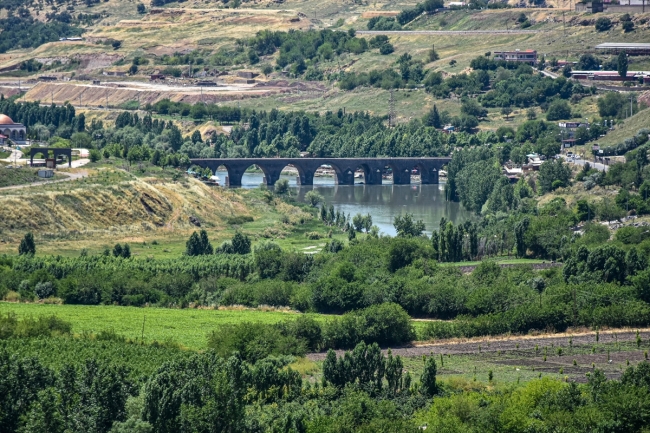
(188, 327)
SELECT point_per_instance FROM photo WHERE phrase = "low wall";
(627, 8)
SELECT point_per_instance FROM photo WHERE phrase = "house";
(525, 56)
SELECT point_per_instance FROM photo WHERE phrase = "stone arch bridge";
(343, 167)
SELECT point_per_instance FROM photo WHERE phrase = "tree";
(428, 378)
(313, 198)
(241, 244)
(628, 26)
(141, 8)
(267, 69)
(588, 62)
(432, 55)
(351, 232)
(473, 108)
(538, 284)
(357, 222)
(506, 111)
(622, 64)
(558, 110)
(281, 187)
(367, 223)
(530, 114)
(386, 49)
(95, 155)
(433, 118)
(603, 24)
(27, 245)
(116, 44)
(553, 174)
(406, 227)
(521, 227)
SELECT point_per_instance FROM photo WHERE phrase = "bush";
(384, 324)
(603, 24)
(386, 49)
(43, 326)
(558, 110)
(239, 220)
(313, 236)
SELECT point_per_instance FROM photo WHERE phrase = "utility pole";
(391, 109)
(631, 112)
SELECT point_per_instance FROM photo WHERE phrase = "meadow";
(188, 327)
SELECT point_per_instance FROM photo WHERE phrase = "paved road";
(446, 32)
(597, 165)
(18, 158)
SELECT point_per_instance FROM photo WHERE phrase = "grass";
(22, 176)
(188, 327)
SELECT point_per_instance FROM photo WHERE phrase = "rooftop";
(607, 45)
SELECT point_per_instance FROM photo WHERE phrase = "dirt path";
(513, 343)
(71, 176)
(446, 32)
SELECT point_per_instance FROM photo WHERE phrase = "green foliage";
(198, 244)
(26, 32)
(558, 110)
(384, 324)
(554, 173)
(406, 227)
(603, 24)
(622, 63)
(11, 327)
(27, 245)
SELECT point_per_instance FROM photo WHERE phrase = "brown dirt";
(511, 344)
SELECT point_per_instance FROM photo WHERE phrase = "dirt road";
(71, 176)
(446, 32)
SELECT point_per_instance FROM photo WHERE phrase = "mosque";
(9, 130)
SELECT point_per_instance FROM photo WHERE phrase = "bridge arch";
(343, 168)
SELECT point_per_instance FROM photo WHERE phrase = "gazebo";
(16, 132)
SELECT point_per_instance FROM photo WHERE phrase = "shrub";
(43, 326)
(385, 324)
(239, 220)
(386, 49)
(313, 236)
(603, 24)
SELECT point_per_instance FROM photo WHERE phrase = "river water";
(382, 202)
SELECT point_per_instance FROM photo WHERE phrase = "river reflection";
(382, 202)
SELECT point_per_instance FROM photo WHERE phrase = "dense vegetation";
(105, 384)
(23, 31)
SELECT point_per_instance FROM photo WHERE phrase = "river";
(382, 202)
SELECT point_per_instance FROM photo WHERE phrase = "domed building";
(9, 130)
